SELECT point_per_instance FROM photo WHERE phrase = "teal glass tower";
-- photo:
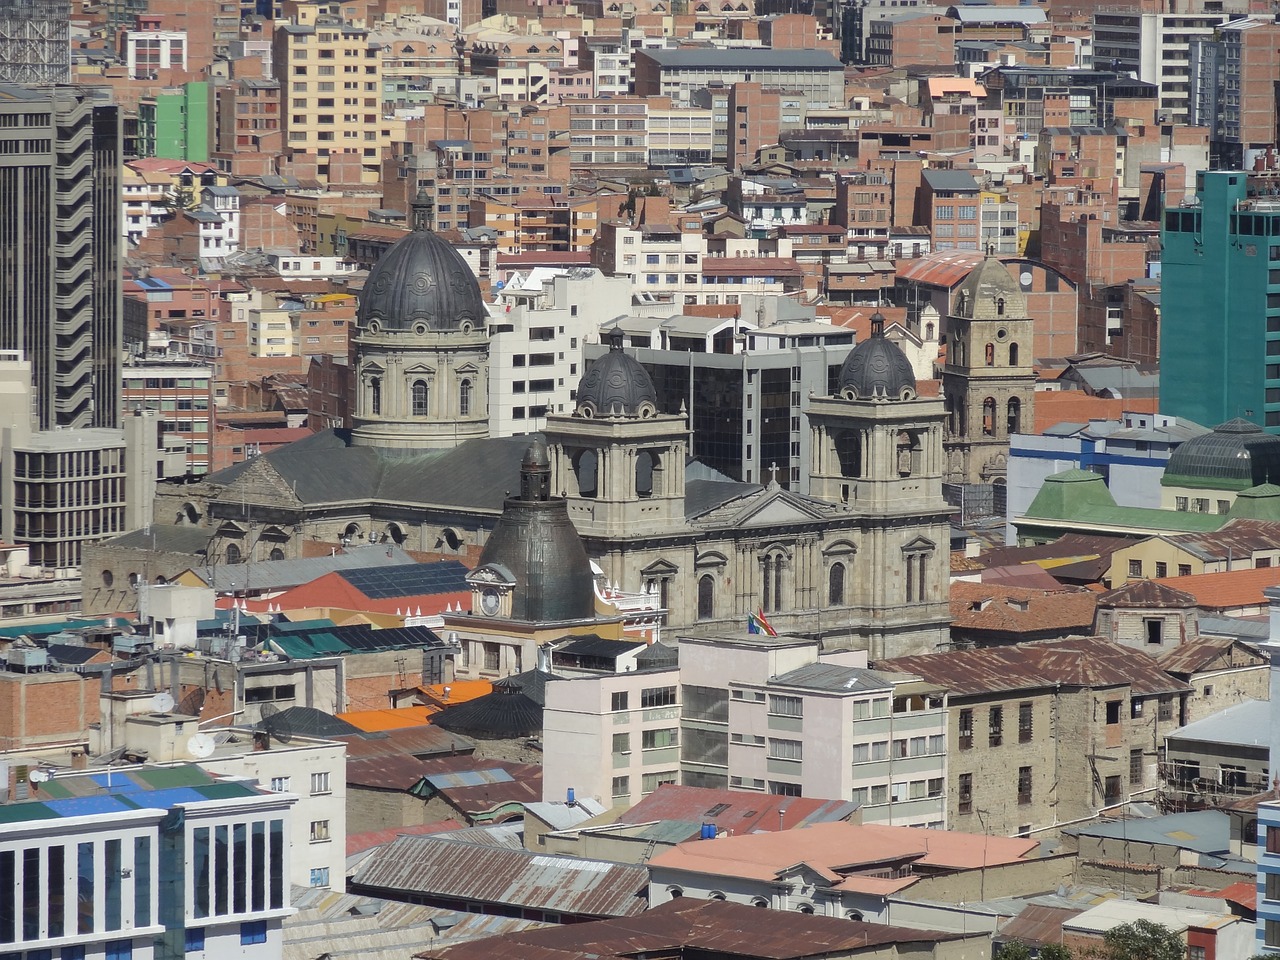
(1220, 303)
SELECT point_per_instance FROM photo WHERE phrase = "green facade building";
(177, 124)
(1220, 305)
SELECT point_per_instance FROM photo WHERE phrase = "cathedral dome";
(877, 369)
(616, 385)
(420, 284)
(537, 544)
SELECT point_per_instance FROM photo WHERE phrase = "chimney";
(79, 759)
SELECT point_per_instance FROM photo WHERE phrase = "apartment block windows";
(1024, 784)
(786, 706)
(1272, 890)
(786, 749)
(621, 743)
(657, 697)
(618, 700)
(320, 783)
(319, 831)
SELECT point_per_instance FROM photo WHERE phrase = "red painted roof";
(735, 811)
(359, 842)
(333, 590)
(942, 268)
(749, 266)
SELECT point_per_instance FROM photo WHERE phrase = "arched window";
(989, 417)
(586, 467)
(234, 555)
(1014, 416)
(716, 895)
(805, 908)
(1000, 306)
(1013, 354)
(421, 404)
(928, 331)
(771, 582)
(375, 396)
(675, 892)
(759, 902)
(645, 464)
(991, 355)
(276, 554)
(917, 566)
(835, 585)
(706, 597)
(464, 398)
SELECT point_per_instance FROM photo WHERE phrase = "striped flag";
(758, 623)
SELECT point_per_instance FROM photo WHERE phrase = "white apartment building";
(313, 772)
(754, 712)
(147, 52)
(540, 323)
(142, 862)
(1156, 47)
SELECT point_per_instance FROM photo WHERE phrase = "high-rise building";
(35, 41)
(1232, 91)
(60, 231)
(1219, 325)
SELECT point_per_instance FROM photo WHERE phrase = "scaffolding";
(35, 41)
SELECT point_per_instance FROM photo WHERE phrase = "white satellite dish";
(201, 745)
(40, 776)
(162, 702)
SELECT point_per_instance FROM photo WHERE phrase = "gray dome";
(1233, 456)
(421, 280)
(877, 368)
(616, 385)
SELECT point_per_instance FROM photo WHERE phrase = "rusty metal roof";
(437, 867)
(1090, 662)
(942, 268)
(1146, 595)
(685, 926)
(1037, 925)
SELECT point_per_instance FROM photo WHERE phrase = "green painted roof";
(1078, 499)
(1257, 503)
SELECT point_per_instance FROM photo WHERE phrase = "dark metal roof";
(505, 714)
(443, 868)
(1234, 455)
(877, 367)
(616, 385)
(421, 278)
(1088, 662)
(165, 538)
(688, 927)
(310, 722)
(596, 646)
(1146, 594)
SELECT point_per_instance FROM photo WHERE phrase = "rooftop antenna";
(273, 726)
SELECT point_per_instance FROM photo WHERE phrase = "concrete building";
(1232, 94)
(63, 489)
(144, 862)
(541, 323)
(678, 74)
(1267, 941)
(35, 41)
(60, 212)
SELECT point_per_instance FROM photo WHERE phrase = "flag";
(753, 625)
(758, 623)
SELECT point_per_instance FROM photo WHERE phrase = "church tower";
(989, 380)
(617, 460)
(877, 450)
(421, 347)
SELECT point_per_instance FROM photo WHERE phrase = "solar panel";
(408, 580)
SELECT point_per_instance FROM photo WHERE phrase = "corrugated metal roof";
(439, 867)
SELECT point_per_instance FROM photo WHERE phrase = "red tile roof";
(1004, 609)
(749, 266)
(1224, 591)
(1073, 406)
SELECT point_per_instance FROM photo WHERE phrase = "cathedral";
(863, 563)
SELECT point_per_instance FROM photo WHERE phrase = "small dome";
(1234, 455)
(421, 283)
(877, 369)
(616, 385)
(536, 457)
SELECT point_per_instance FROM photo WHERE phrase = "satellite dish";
(162, 702)
(192, 703)
(106, 759)
(273, 725)
(40, 776)
(201, 745)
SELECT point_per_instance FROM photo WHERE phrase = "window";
(1024, 784)
(964, 790)
(1271, 933)
(622, 743)
(1024, 723)
(1272, 887)
(1135, 766)
(706, 597)
(320, 783)
(194, 940)
(621, 787)
(1184, 569)
(657, 739)
(652, 781)
(618, 700)
(786, 749)
(420, 402)
(995, 726)
(279, 784)
(119, 950)
(319, 831)
(1273, 839)
(657, 697)
(375, 396)
(319, 876)
(254, 931)
(835, 585)
(464, 398)
(1180, 503)
(1135, 568)
(780, 789)
(1113, 712)
(786, 706)
(966, 729)
(1154, 627)
(1162, 569)
(492, 656)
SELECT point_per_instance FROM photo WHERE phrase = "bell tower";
(989, 380)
